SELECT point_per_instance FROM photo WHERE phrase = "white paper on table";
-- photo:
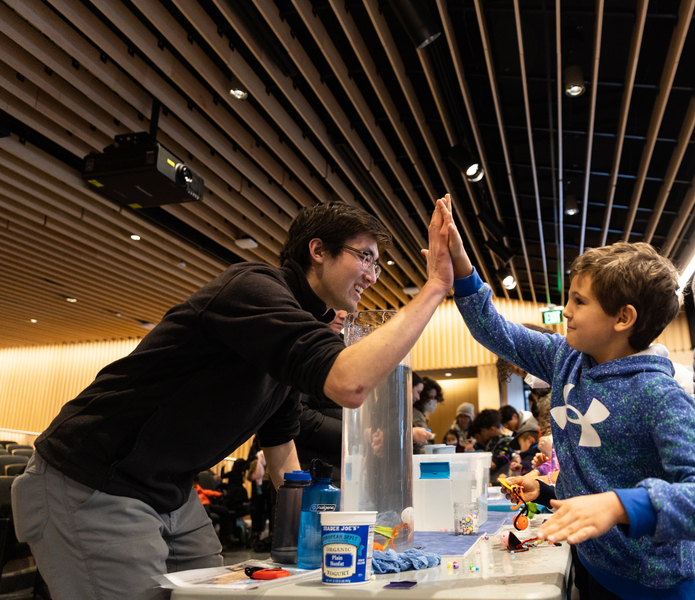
(232, 577)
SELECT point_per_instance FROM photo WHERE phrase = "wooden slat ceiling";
(341, 106)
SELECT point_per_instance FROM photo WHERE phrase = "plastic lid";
(297, 476)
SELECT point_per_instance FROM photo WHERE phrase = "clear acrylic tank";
(377, 467)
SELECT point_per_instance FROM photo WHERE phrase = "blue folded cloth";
(393, 562)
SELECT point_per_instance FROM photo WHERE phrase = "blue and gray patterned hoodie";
(624, 425)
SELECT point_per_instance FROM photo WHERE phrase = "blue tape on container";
(435, 470)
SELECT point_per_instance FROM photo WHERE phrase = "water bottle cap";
(297, 476)
(323, 471)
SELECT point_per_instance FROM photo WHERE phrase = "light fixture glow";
(475, 172)
(135, 237)
(390, 263)
(448, 374)
(71, 300)
(239, 94)
(181, 265)
(574, 81)
(246, 243)
(571, 206)
(33, 321)
(507, 278)
(411, 290)
(464, 161)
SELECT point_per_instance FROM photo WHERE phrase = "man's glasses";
(367, 260)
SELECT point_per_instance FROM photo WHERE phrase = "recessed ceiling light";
(147, 325)
(390, 263)
(574, 81)
(135, 237)
(411, 290)
(33, 321)
(448, 374)
(181, 265)
(239, 94)
(246, 243)
(72, 300)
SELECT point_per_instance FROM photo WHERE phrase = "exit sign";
(552, 317)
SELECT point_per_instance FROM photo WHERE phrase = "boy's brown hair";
(635, 274)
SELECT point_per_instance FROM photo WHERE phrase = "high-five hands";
(439, 267)
(461, 263)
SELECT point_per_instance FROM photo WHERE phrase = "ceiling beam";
(632, 61)
(532, 153)
(680, 33)
(598, 32)
(503, 138)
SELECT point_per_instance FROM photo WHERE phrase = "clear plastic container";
(466, 518)
(287, 515)
(439, 480)
(377, 473)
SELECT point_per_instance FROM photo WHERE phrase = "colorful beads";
(467, 525)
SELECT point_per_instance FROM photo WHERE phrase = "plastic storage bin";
(439, 480)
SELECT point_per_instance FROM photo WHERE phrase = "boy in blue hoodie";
(623, 429)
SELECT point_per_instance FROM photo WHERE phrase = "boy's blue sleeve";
(640, 512)
(531, 350)
(671, 420)
(468, 285)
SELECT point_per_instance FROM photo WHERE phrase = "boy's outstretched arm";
(583, 517)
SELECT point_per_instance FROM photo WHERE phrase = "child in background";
(525, 446)
(487, 431)
(623, 429)
(465, 413)
(451, 438)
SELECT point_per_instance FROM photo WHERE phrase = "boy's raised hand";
(583, 517)
(459, 258)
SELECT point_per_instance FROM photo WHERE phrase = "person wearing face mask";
(421, 435)
(429, 398)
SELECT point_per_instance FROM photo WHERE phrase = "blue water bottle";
(319, 496)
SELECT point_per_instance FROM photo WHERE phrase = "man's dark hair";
(487, 418)
(507, 413)
(333, 223)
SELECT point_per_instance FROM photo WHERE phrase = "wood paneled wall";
(447, 343)
(36, 381)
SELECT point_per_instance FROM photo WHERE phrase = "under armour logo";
(597, 412)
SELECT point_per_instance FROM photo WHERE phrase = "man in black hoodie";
(106, 501)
